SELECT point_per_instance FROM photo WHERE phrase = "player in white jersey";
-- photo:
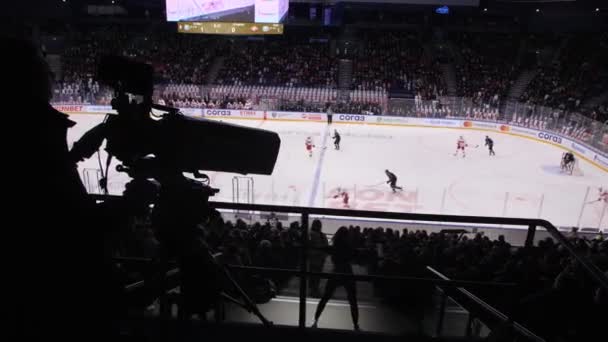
(309, 145)
(460, 145)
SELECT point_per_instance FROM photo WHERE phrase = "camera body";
(126, 75)
(179, 143)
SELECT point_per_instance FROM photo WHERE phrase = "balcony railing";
(479, 311)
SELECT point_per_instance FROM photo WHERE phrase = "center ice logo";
(375, 200)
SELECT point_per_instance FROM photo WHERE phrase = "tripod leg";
(249, 304)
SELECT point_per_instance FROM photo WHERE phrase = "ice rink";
(522, 180)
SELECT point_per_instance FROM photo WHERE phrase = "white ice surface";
(522, 180)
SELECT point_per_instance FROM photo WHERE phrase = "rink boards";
(587, 153)
(523, 181)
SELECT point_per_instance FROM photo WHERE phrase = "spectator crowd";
(578, 73)
(486, 69)
(546, 274)
(391, 61)
(299, 73)
(288, 62)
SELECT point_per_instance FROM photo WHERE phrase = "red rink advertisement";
(69, 108)
(248, 113)
(312, 116)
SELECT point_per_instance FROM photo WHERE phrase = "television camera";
(156, 151)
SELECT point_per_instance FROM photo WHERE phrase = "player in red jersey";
(309, 146)
(603, 195)
(345, 198)
(460, 145)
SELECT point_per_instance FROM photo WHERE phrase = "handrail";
(139, 284)
(489, 308)
(367, 213)
(362, 277)
(532, 224)
(132, 260)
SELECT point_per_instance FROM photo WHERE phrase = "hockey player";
(490, 144)
(460, 145)
(345, 198)
(392, 180)
(603, 195)
(568, 161)
(337, 139)
(309, 146)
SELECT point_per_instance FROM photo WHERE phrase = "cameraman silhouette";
(56, 264)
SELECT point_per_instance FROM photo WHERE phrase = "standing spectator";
(342, 254)
(329, 114)
(318, 245)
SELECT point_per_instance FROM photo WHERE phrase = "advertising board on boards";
(550, 137)
(248, 113)
(391, 120)
(600, 160)
(217, 112)
(441, 122)
(69, 108)
(358, 118)
(351, 117)
(312, 116)
(529, 132)
(578, 148)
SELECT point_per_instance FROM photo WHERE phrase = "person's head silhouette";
(26, 72)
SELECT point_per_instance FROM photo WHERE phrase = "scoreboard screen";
(467, 3)
(240, 11)
(207, 27)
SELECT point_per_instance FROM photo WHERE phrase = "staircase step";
(214, 70)
(345, 73)
(449, 76)
(596, 100)
(521, 83)
(54, 62)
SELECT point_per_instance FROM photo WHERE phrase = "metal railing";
(308, 213)
(532, 224)
(482, 310)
